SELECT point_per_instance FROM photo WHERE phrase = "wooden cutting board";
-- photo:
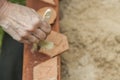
(39, 66)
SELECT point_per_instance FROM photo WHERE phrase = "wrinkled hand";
(23, 23)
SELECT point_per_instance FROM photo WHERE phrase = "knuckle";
(24, 34)
(31, 28)
(43, 36)
(19, 39)
(48, 29)
(37, 24)
(36, 21)
(47, 24)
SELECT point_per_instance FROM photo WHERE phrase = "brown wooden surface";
(31, 60)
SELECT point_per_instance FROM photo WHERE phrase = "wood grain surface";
(32, 63)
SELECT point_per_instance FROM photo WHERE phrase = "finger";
(25, 41)
(39, 34)
(44, 26)
(32, 39)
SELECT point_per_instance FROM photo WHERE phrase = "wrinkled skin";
(23, 23)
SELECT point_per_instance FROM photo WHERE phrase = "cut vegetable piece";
(52, 14)
(52, 2)
(60, 44)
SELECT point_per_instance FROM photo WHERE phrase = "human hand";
(23, 23)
